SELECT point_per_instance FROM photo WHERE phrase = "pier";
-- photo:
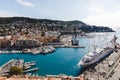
(112, 69)
(6, 67)
(68, 46)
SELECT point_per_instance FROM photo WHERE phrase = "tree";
(14, 70)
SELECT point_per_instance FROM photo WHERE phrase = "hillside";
(47, 24)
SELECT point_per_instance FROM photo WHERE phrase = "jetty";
(68, 46)
(4, 69)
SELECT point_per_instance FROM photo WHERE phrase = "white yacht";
(97, 54)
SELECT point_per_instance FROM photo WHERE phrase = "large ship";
(98, 54)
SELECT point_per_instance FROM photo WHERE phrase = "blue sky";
(94, 12)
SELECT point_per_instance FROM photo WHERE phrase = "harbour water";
(63, 60)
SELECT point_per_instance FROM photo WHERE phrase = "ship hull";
(98, 59)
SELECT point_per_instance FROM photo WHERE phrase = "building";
(27, 43)
(52, 33)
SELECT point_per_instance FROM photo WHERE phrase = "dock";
(112, 69)
(6, 67)
(68, 46)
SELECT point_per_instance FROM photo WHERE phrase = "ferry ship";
(98, 54)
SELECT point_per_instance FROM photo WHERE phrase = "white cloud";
(98, 15)
(25, 3)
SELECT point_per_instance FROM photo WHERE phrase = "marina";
(5, 68)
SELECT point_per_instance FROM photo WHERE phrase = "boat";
(27, 66)
(98, 54)
(32, 63)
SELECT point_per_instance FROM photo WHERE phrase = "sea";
(63, 60)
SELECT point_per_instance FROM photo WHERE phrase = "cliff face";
(47, 24)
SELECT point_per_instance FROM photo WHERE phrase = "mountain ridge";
(50, 24)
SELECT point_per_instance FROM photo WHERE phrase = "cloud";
(25, 3)
(98, 15)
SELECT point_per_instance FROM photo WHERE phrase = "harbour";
(59, 40)
(63, 58)
(66, 58)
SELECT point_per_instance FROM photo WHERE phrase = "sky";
(93, 12)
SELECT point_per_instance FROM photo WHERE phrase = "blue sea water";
(63, 60)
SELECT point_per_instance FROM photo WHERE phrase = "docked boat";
(98, 54)
(27, 66)
(32, 63)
